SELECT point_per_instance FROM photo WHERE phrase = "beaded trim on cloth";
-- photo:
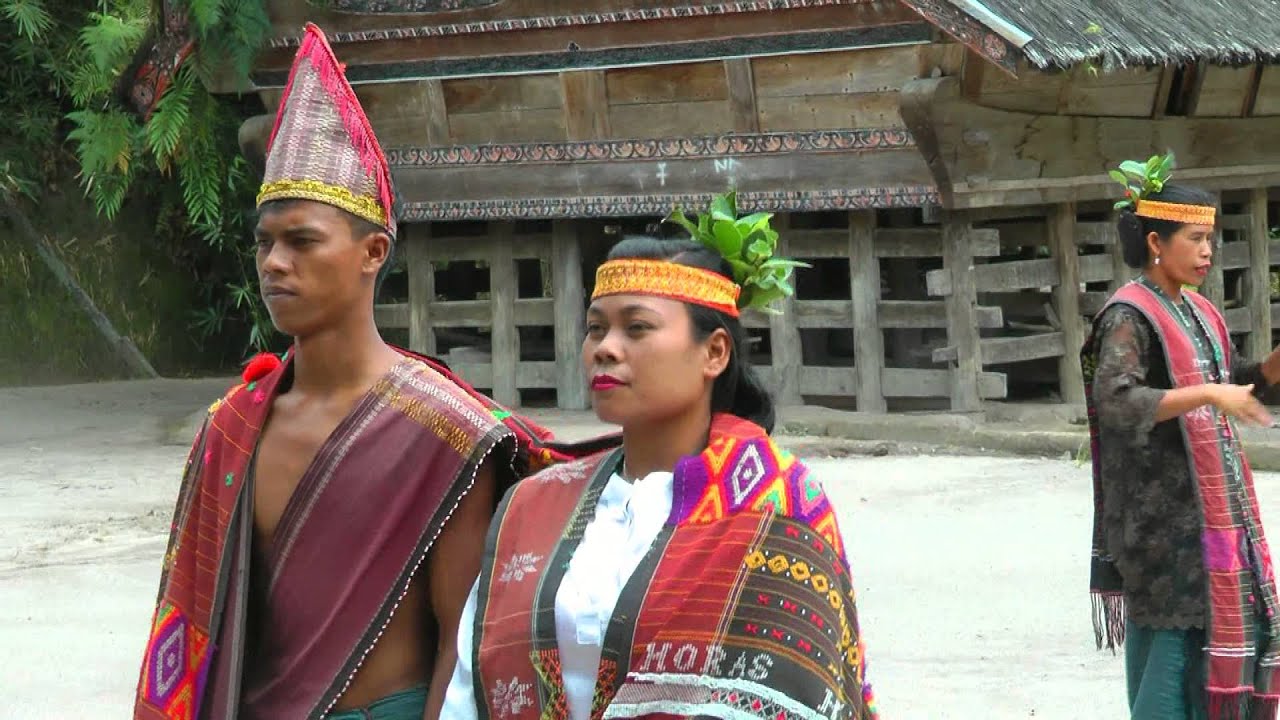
(1176, 212)
(363, 207)
(670, 280)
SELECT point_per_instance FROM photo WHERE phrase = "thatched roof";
(1137, 32)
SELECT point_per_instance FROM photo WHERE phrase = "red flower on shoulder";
(260, 366)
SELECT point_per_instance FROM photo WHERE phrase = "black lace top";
(1152, 519)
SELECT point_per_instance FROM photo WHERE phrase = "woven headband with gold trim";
(1177, 212)
(661, 278)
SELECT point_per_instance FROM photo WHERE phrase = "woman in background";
(1180, 564)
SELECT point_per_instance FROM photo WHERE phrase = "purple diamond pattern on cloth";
(749, 469)
(168, 661)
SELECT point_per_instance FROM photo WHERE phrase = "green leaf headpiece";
(748, 244)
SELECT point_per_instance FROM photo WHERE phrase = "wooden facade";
(952, 197)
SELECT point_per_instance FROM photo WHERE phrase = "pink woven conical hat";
(322, 147)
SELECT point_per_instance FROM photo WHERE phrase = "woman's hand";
(1239, 402)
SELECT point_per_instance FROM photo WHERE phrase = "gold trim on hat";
(362, 206)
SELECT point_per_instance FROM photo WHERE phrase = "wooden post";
(962, 320)
(742, 95)
(437, 113)
(1259, 277)
(569, 299)
(1066, 300)
(1121, 273)
(504, 337)
(1213, 288)
(422, 287)
(586, 104)
(784, 336)
(868, 339)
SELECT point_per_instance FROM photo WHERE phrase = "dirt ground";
(972, 570)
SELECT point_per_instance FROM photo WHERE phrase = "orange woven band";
(669, 280)
(1174, 212)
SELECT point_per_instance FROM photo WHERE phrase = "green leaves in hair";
(1141, 180)
(748, 243)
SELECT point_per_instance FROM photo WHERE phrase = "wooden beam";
(962, 325)
(437, 120)
(864, 288)
(1258, 277)
(924, 314)
(1091, 303)
(897, 382)
(504, 337)
(570, 313)
(474, 249)
(890, 242)
(917, 104)
(972, 74)
(1162, 92)
(742, 95)
(1251, 94)
(1009, 350)
(637, 175)
(422, 287)
(891, 314)
(1121, 273)
(983, 157)
(1213, 287)
(538, 375)
(586, 104)
(1066, 300)
(784, 335)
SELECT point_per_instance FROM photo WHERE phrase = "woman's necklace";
(1196, 328)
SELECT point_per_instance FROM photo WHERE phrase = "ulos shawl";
(743, 608)
(421, 432)
(1237, 560)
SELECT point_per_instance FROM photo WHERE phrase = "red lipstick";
(605, 382)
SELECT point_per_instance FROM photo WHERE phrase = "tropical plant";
(67, 60)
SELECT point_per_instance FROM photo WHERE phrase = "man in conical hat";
(333, 509)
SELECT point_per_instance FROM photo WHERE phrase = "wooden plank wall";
(1016, 286)
(1207, 90)
(502, 372)
(830, 90)
(866, 312)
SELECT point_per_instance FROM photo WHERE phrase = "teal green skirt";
(1165, 672)
(408, 704)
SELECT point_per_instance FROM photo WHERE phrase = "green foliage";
(748, 244)
(65, 62)
(1143, 179)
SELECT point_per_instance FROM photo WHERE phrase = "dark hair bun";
(1133, 242)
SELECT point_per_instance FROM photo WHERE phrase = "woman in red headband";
(698, 570)
(1180, 564)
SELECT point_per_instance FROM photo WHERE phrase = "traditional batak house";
(941, 163)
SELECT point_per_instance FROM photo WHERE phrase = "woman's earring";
(1157, 259)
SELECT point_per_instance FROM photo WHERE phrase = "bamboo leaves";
(30, 17)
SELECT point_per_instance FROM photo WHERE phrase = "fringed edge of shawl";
(1265, 707)
(1108, 620)
(1241, 704)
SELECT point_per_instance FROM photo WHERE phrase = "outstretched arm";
(453, 567)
